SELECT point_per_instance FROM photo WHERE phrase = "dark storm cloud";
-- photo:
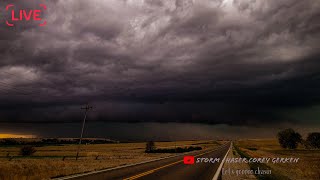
(223, 61)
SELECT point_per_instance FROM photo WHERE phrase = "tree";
(313, 140)
(150, 146)
(9, 141)
(288, 138)
(27, 150)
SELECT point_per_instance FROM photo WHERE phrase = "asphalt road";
(166, 169)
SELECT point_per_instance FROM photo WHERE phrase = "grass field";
(56, 161)
(308, 166)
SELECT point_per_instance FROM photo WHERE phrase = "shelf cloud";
(236, 62)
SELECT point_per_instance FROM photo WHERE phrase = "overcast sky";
(236, 62)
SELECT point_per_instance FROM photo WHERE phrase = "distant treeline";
(53, 141)
(174, 150)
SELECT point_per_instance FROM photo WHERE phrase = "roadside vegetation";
(27, 150)
(288, 143)
(254, 166)
(58, 160)
(151, 148)
(289, 139)
(52, 141)
(313, 141)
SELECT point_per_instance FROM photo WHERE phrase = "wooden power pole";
(86, 108)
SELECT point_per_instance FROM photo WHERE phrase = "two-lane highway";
(169, 168)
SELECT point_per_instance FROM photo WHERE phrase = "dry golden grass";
(236, 166)
(48, 160)
(308, 166)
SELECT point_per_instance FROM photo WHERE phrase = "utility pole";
(86, 108)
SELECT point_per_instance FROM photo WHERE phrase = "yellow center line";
(156, 169)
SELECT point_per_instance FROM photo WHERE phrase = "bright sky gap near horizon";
(249, 63)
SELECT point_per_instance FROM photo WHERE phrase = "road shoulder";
(235, 166)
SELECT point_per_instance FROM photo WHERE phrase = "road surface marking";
(216, 175)
(156, 169)
(120, 167)
(115, 168)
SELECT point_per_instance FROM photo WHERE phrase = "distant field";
(56, 161)
(308, 166)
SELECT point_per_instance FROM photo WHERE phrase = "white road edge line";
(216, 175)
(119, 167)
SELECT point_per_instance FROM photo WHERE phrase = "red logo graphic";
(188, 159)
(26, 15)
